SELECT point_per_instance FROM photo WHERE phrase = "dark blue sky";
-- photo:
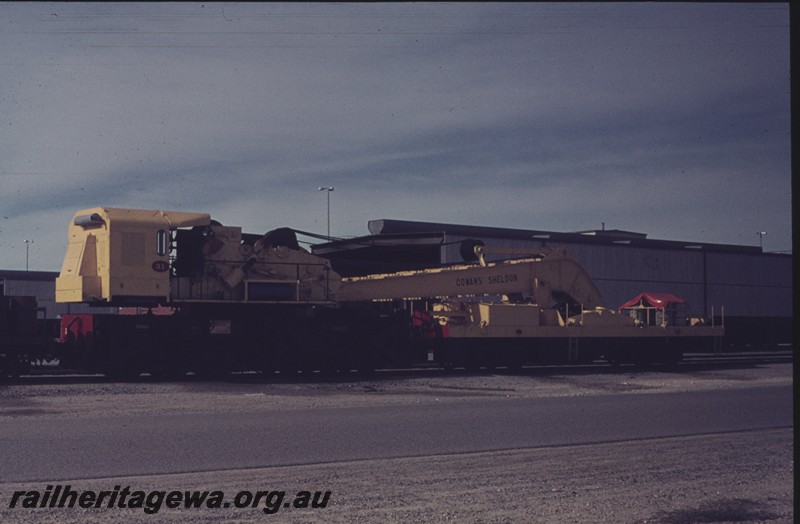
(663, 118)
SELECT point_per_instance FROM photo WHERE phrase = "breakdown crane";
(245, 301)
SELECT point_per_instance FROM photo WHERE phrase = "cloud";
(655, 117)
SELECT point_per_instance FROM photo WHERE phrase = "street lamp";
(328, 189)
(761, 239)
(27, 252)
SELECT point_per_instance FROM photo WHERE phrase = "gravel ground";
(252, 392)
(732, 477)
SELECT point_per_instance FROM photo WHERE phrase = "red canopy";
(656, 300)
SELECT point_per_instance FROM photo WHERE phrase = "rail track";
(51, 374)
(748, 357)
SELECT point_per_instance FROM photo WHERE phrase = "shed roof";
(611, 237)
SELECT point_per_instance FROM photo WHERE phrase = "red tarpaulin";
(656, 300)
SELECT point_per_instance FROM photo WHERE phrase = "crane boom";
(553, 276)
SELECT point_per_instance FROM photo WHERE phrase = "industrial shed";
(751, 289)
(39, 284)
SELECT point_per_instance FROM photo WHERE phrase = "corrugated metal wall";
(45, 293)
(745, 284)
(753, 285)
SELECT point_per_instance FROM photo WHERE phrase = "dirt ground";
(733, 477)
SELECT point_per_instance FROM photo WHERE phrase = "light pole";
(328, 190)
(27, 252)
(761, 239)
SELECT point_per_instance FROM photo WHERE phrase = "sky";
(670, 119)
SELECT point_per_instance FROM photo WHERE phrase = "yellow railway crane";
(261, 301)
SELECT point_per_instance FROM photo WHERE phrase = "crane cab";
(143, 258)
(120, 255)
